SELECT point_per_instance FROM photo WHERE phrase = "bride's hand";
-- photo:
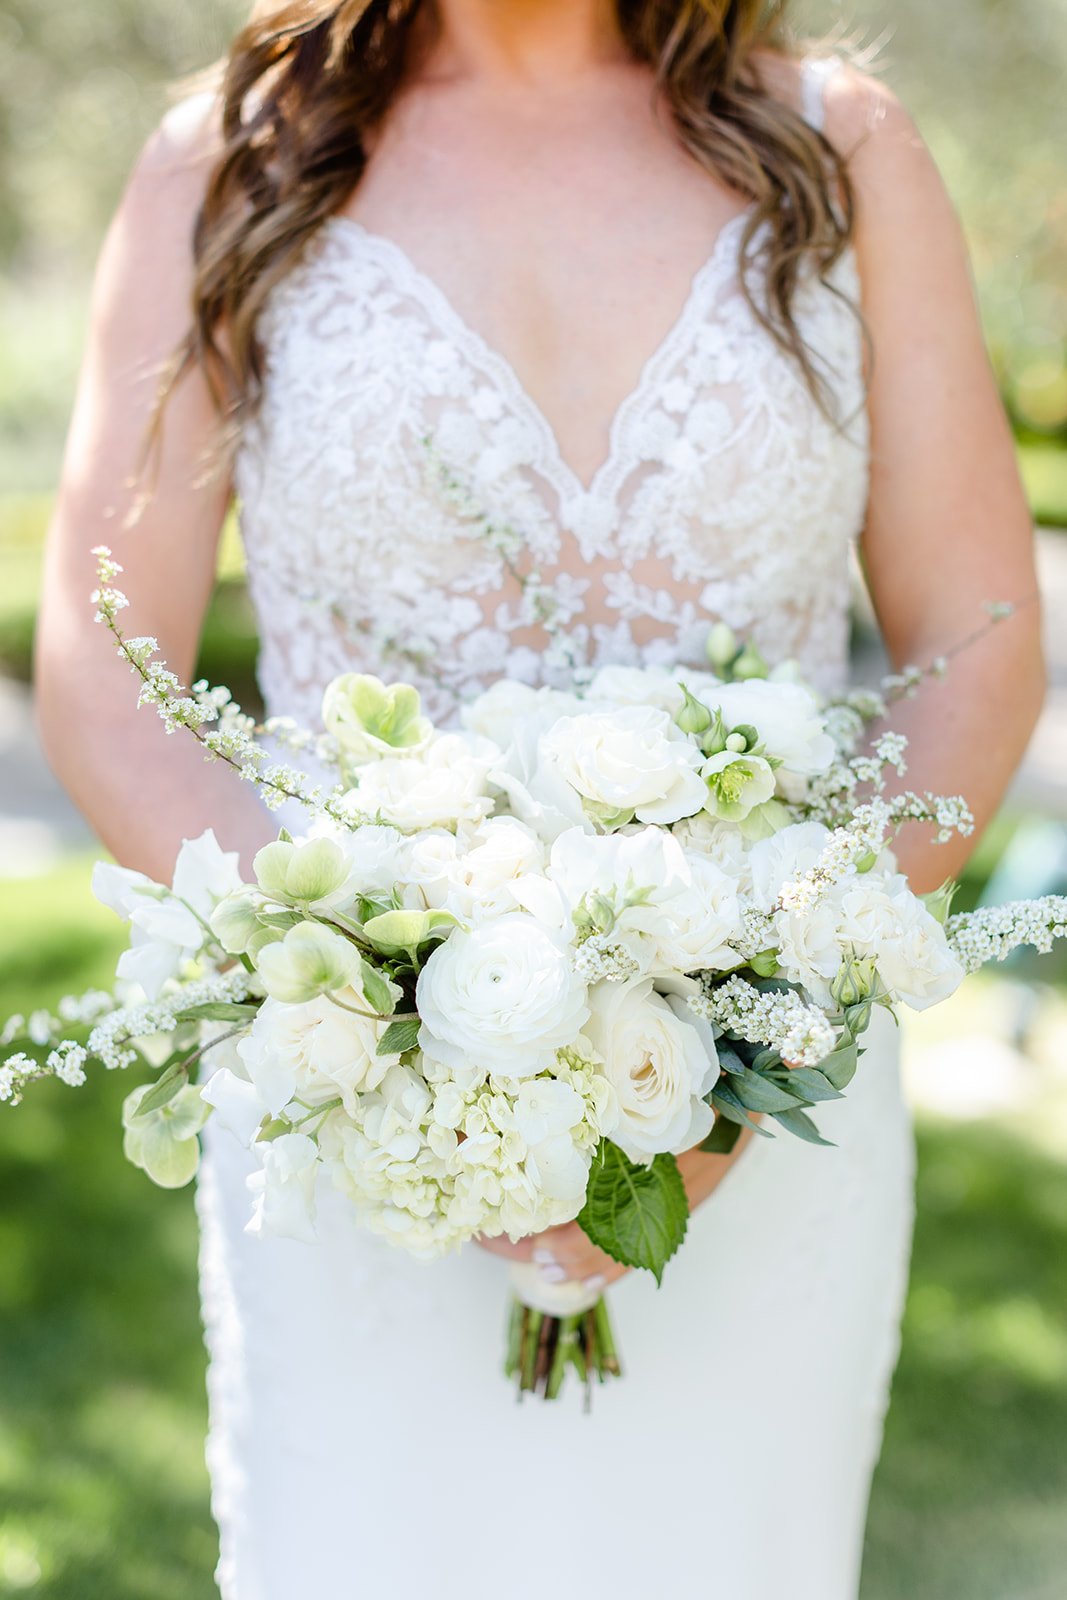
(564, 1254)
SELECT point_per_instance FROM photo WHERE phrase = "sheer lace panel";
(407, 510)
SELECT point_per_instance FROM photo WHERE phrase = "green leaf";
(809, 1082)
(840, 1068)
(757, 1093)
(218, 1011)
(378, 992)
(800, 1123)
(399, 1036)
(163, 1091)
(722, 1138)
(636, 1215)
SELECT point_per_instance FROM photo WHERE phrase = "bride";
(630, 299)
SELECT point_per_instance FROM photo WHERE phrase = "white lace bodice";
(406, 508)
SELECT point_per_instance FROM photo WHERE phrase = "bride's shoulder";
(898, 187)
(179, 154)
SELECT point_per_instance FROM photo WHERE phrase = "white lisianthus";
(888, 922)
(482, 878)
(284, 1188)
(502, 996)
(790, 726)
(783, 858)
(637, 686)
(641, 891)
(658, 1065)
(168, 926)
(441, 788)
(313, 1052)
(508, 708)
(624, 764)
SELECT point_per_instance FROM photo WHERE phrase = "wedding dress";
(363, 1439)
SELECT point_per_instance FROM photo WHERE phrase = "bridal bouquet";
(509, 972)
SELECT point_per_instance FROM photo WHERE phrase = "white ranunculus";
(658, 1065)
(503, 997)
(168, 926)
(789, 723)
(783, 858)
(441, 788)
(629, 763)
(314, 1051)
(887, 922)
(284, 1188)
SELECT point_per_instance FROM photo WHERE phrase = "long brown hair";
(305, 82)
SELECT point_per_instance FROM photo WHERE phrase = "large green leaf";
(636, 1215)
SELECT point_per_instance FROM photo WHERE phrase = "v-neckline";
(570, 487)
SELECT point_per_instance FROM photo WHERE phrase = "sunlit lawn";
(103, 1494)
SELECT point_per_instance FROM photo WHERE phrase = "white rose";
(629, 763)
(720, 842)
(314, 1052)
(658, 1065)
(441, 788)
(783, 858)
(503, 997)
(789, 723)
(908, 945)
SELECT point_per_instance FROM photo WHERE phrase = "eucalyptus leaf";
(722, 1138)
(637, 1215)
(399, 1036)
(729, 1060)
(840, 1068)
(728, 1105)
(757, 1093)
(800, 1123)
(809, 1083)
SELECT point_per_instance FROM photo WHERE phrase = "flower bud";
(721, 646)
(854, 982)
(713, 742)
(234, 922)
(694, 717)
(750, 664)
(736, 743)
(765, 965)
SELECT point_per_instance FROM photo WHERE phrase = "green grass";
(102, 1486)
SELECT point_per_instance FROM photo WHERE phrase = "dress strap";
(815, 74)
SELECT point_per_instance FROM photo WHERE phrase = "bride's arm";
(948, 527)
(142, 791)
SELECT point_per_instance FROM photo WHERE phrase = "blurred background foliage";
(102, 1488)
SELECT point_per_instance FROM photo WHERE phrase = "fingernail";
(544, 1258)
(552, 1272)
(597, 1281)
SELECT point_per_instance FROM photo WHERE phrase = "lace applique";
(407, 511)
